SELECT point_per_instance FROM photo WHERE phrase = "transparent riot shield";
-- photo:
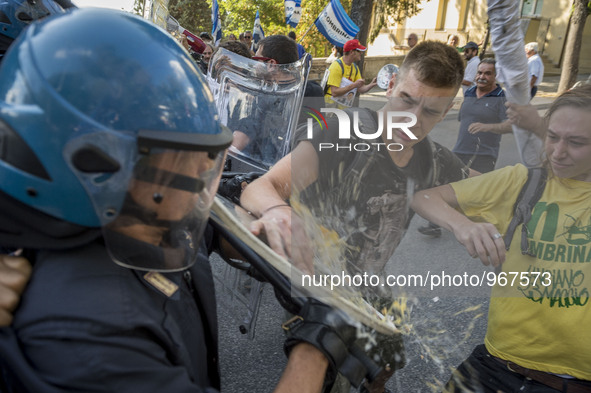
(260, 102)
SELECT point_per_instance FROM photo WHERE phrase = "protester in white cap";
(471, 56)
(535, 66)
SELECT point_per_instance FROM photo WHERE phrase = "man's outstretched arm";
(267, 199)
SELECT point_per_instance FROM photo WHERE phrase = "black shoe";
(430, 230)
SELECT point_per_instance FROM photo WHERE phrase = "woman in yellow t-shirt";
(537, 338)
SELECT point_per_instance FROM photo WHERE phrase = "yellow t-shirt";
(542, 327)
(336, 75)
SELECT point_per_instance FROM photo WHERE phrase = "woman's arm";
(481, 239)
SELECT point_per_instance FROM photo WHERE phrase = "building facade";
(544, 21)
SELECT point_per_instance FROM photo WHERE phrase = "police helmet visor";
(165, 211)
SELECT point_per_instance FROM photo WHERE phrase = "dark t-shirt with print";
(365, 197)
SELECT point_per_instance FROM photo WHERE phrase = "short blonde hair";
(435, 64)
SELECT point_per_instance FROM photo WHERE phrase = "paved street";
(443, 327)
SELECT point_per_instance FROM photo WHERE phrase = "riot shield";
(231, 220)
(260, 102)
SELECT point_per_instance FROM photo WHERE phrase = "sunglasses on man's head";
(261, 58)
(248, 37)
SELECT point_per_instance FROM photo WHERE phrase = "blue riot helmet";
(114, 129)
(15, 15)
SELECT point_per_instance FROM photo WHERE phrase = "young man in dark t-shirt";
(375, 188)
(428, 80)
(364, 196)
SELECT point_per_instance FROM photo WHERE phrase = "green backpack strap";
(530, 194)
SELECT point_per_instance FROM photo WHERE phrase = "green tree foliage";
(193, 15)
(388, 11)
(238, 16)
(572, 47)
(139, 6)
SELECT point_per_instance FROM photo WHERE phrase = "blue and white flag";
(216, 30)
(334, 23)
(293, 12)
(257, 31)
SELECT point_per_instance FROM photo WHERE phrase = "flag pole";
(307, 31)
(313, 23)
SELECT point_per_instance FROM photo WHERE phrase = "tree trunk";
(572, 49)
(361, 12)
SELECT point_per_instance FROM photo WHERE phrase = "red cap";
(353, 45)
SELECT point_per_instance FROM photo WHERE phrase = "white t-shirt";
(535, 66)
(470, 72)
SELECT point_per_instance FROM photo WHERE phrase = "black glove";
(231, 184)
(331, 332)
